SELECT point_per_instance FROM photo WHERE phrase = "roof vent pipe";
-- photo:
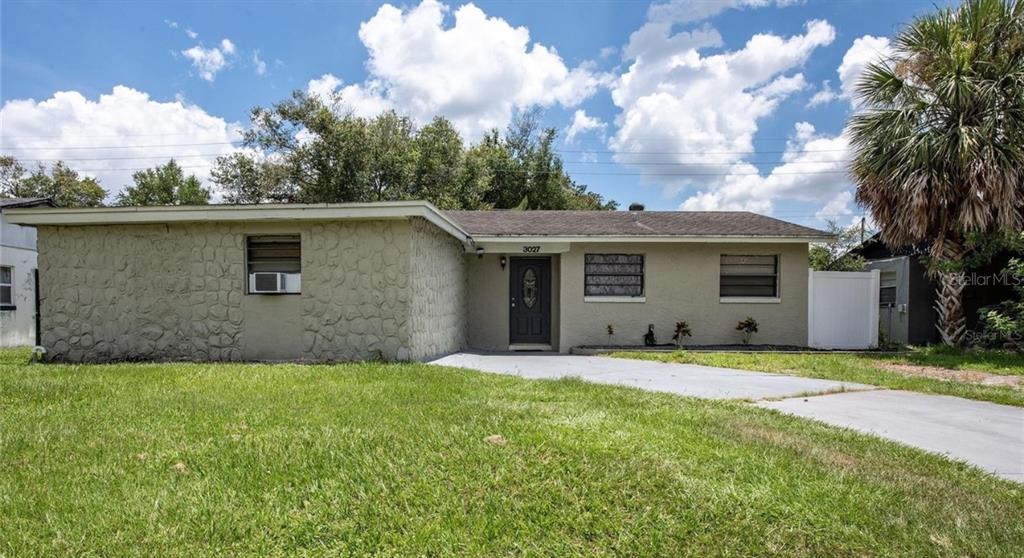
(636, 206)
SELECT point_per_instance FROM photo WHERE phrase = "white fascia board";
(642, 239)
(235, 213)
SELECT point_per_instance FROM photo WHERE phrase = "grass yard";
(398, 459)
(952, 372)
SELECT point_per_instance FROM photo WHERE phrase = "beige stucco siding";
(142, 291)
(178, 291)
(681, 283)
(437, 320)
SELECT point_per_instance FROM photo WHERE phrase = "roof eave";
(651, 238)
(236, 213)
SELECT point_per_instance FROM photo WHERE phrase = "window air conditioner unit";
(265, 282)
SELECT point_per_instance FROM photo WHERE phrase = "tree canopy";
(59, 182)
(303, 150)
(835, 254)
(164, 185)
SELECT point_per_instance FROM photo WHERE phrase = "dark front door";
(530, 301)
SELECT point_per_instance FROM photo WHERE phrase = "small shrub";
(1003, 324)
(611, 333)
(649, 339)
(748, 327)
(682, 330)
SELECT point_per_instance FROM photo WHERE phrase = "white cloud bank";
(477, 72)
(207, 62)
(71, 127)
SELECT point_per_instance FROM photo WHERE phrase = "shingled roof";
(24, 202)
(627, 223)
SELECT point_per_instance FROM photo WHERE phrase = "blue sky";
(693, 104)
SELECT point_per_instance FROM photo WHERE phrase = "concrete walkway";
(987, 435)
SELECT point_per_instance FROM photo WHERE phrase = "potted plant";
(682, 330)
(611, 334)
(747, 327)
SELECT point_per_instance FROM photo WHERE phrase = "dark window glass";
(887, 289)
(6, 284)
(749, 276)
(279, 253)
(613, 275)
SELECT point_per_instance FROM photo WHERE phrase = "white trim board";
(232, 213)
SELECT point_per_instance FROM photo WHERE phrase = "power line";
(60, 147)
(525, 171)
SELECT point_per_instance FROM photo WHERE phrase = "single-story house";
(17, 275)
(404, 280)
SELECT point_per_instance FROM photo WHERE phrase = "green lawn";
(868, 368)
(393, 459)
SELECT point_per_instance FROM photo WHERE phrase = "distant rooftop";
(24, 202)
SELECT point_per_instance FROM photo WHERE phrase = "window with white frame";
(749, 277)
(274, 264)
(6, 287)
(613, 275)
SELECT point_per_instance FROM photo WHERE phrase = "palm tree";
(938, 145)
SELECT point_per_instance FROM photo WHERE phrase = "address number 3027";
(531, 249)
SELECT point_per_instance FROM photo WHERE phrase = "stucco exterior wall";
(141, 292)
(681, 283)
(390, 289)
(437, 317)
(18, 325)
(355, 290)
(18, 250)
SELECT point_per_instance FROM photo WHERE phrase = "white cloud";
(581, 124)
(209, 61)
(823, 96)
(477, 72)
(813, 168)
(171, 23)
(73, 128)
(865, 50)
(837, 207)
(259, 64)
(191, 34)
(700, 113)
(683, 11)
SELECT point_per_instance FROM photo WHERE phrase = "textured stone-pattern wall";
(438, 310)
(141, 292)
(356, 290)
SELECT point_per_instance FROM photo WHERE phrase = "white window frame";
(8, 305)
(776, 299)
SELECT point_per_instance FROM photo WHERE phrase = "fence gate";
(842, 309)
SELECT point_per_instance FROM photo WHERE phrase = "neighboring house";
(907, 294)
(403, 280)
(17, 275)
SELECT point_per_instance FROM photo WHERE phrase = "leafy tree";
(301, 149)
(939, 145)
(60, 183)
(247, 180)
(164, 185)
(835, 255)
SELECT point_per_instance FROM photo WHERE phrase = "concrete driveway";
(683, 379)
(986, 435)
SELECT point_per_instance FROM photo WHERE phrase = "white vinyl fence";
(842, 309)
